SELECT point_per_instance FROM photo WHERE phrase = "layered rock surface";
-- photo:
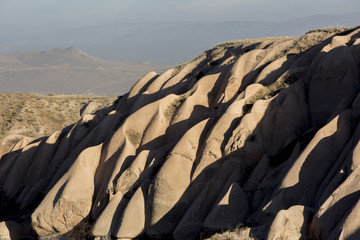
(260, 136)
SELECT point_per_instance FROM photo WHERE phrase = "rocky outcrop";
(257, 137)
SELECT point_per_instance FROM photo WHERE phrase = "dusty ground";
(35, 116)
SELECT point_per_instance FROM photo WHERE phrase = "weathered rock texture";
(260, 136)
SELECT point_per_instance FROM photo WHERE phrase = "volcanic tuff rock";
(256, 136)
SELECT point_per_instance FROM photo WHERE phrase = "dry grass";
(271, 90)
(236, 43)
(134, 137)
(171, 109)
(37, 115)
(239, 233)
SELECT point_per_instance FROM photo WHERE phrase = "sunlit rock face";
(258, 137)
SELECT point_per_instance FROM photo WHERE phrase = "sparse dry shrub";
(271, 90)
(133, 136)
(37, 111)
(171, 109)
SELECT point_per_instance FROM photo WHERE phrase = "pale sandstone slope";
(262, 134)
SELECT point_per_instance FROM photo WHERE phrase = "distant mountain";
(69, 71)
(166, 42)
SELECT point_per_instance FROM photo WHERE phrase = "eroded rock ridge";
(260, 137)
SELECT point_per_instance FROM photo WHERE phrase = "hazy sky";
(37, 15)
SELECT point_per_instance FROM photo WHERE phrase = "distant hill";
(166, 42)
(69, 71)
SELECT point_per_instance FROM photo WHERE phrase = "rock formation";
(258, 137)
